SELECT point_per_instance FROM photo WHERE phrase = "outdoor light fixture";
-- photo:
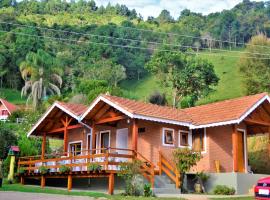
(128, 120)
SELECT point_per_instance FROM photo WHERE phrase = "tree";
(7, 138)
(41, 77)
(164, 17)
(256, 69)
(157, 98)
(184, 75)
(105, 69)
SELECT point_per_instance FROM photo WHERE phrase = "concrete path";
(39, 196)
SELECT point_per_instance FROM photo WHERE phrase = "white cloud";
(154, 7)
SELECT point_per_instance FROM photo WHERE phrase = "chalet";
(113, 130)
(6, 109)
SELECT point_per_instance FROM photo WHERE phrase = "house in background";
(113, 130)
(6, 109)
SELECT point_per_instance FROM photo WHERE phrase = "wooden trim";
(57, 130)
(110, 119)
(259, 122)
(134, 135)
(235, 148)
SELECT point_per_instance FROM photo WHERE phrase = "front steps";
(163, 185)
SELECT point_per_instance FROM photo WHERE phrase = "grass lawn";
(226, 68)
(13, 96)
(36, 189)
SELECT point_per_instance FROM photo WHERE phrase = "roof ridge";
(226, 100)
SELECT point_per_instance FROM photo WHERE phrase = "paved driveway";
(39, 196)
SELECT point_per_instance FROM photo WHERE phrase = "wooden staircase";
(147, 167)
(165, 166)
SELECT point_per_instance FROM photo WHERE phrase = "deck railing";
(110, 160)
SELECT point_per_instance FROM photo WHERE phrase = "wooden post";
(177, 179)
(42, 182)
(65, 139)
(111, 184)
(22, 180)
(93, 138)
(69, 186)
(235, 148)
(135, 136)
(43, 150)
(160, 164)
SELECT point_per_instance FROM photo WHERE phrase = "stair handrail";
(174, 175)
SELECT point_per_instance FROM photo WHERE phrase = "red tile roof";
(149, 110)
(10, 107)
(217, 112)
(222, 111)
(76, 109)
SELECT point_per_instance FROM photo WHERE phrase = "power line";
(134, 40)
(125, 46)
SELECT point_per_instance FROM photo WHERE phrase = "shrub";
(21, 170)
(185, 159)
(131, 172)
(224, 190)
(43, 170)
(64, 169)
(147, 191)
(94, 167)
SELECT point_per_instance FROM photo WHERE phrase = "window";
(184, 139)
(75, 148)
(4, 112)
(168, 137)
(198, 140)
(89, 145)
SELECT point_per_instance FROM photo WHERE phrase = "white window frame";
(99, 140)
(189, 139)
(163, 137)
(204, 141)
(73, 142)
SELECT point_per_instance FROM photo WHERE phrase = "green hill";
(226, 67)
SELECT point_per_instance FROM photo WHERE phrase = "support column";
(22, 180)
(111, 184)
(135, 135)
(65, 139)
(43, 150)
(235, 148)
(43, 181)
(93, 138)
(69, 186)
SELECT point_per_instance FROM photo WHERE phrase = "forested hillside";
(84, 50)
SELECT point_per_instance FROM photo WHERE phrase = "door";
(122, 140)
(104, 140)
(241, 151)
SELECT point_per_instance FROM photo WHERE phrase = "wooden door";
(241, 152)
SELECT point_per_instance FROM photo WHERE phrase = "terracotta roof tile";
(199, 115)
(149, 110)
(11, 107)
(76, 109)
(222, 111)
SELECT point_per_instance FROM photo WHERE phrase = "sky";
(153, 7)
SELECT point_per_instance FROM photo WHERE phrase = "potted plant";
(200, 178)
(64, 169)
(94, 167)
(43, 170)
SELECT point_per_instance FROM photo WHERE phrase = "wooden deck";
(109, 159)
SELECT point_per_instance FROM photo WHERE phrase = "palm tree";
(41, 76)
